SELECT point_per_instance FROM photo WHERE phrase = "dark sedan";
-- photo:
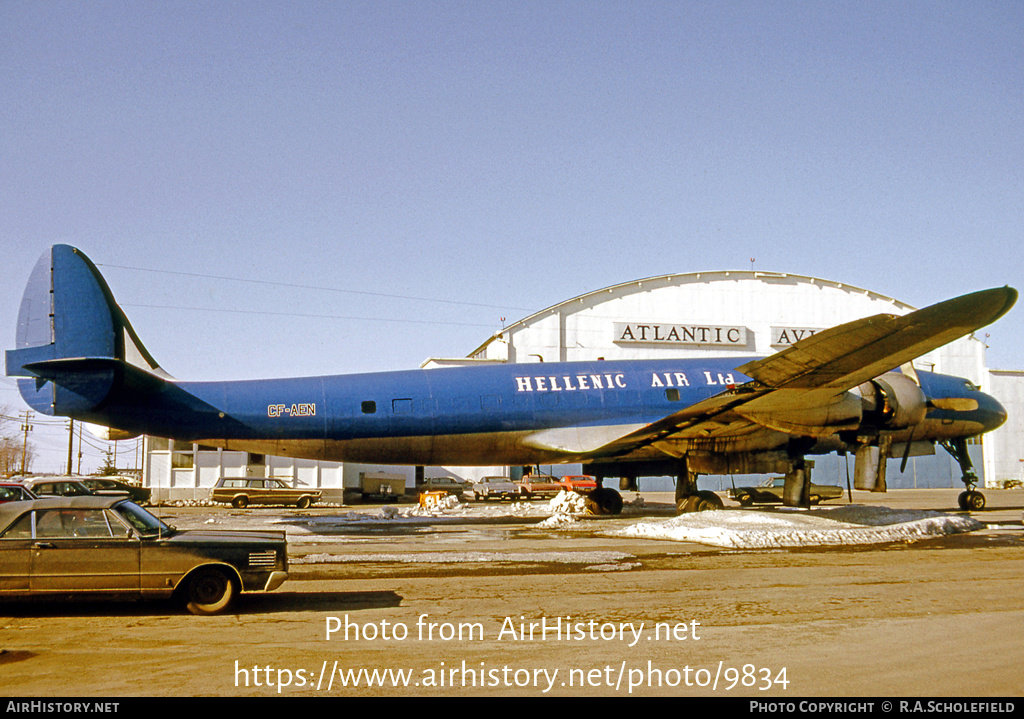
(109, 546)
(104, 486)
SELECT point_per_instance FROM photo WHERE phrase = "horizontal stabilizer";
(54, 370)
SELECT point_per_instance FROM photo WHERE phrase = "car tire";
(303, 502)
(240, 502)
(209, 591)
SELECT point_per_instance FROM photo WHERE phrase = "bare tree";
(12, 444)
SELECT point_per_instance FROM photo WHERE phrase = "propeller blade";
(907, 368)
(849, 489)
(906, 453)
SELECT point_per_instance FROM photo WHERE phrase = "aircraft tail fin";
(73, 343)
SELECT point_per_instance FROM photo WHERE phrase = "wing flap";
(579, 440)
(712, 417)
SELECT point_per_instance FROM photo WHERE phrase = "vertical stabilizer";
(72, 340)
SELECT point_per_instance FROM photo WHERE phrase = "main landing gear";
(689, 498)
(970, 500)
(604, 500)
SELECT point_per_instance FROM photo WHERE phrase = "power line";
(292, 285)
(307, 316)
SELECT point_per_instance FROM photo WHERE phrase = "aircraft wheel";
(685, 505)
(971, 501)
(707, 501)
(703, 501)
(604, 500)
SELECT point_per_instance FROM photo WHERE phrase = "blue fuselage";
(458, 416)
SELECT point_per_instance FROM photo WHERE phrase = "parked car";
(14, 492)
(581, 483)
(240, 492)
(538, 485)
(57, 487)
(446, 484)
(499, 487)
(770, 492)
(104, 486)
(109, 546)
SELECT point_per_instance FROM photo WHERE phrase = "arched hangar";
(737, 313)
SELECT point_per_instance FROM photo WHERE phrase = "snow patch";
(833, 526)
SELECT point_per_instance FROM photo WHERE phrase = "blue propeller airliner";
(851, 388)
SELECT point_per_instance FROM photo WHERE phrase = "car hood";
(226, 536)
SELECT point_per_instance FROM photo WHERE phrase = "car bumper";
(275, 580)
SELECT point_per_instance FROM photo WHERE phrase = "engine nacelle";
(893, 401)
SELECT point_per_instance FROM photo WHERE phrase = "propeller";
(906, 451)
(908, 371)
(892, 402)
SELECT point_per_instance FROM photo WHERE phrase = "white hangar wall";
(739, 313)
(1004, 448)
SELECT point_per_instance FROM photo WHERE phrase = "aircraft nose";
(993, 414)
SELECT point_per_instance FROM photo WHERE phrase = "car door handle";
(43, 545)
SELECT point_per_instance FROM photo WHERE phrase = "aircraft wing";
(814, 372)
(845, 356)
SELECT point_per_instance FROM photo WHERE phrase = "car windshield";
(142, 521)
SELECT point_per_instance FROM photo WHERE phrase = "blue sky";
(391, 179)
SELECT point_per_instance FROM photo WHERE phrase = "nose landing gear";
(970, 500)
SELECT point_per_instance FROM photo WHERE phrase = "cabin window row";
(491, 403)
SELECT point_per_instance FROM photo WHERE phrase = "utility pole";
(71, 442)
(26, 427)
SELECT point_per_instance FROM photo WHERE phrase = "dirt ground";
(529, 611)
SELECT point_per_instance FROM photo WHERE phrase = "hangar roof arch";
(741, 312)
